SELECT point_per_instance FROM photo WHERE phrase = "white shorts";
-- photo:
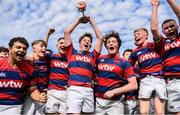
(151, 84)
(173, 88)
(131, 107)
(80, 99)
(56, 102)
(31, 107)
(28, 106)
(10, 109)
(109, 107)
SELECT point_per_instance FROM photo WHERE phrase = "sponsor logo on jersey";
(106, 67)
(60, 64)
(172, 45)
(83, 58)
(147, 56)
(11, 84)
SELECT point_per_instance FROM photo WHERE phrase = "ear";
(34, 50)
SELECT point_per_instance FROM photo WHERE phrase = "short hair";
(49, 51)
(166, 21)
(60, 39)
(86, 35)
(139, 29)
(127, 50)
(3, 49)
(112, 34)
(18, 39)
(38, 41)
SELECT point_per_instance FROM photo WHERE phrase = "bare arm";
(50, 31)
(99, 36)
(175, 7)
(154, 21)
(38, 96)
(68, 31)
(132, 85)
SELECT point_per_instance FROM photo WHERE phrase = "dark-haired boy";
(113, 72)
(3, 52)
(16, 77)
(81, 67)
(169, 49)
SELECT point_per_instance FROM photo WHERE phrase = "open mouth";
(171, 33)
(22, 55)
(63, 48)
(86, 46)
(111, 48)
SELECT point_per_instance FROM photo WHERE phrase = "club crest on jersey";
(23, 74)
(2, 74)
(101, 60)
(139, 52)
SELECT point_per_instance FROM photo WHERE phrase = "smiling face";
(140, 37)
(39, 50)
(60, 46)
(85, 44)
(18, 51)
(3, 55)
(112, 46)
(170, 29)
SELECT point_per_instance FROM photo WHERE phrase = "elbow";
(135, 86)
(154, 30)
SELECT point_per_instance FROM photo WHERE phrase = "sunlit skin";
(127, 54)
(3, 55)
(60, 46)
(85, 44)
(17, 52)
(39, 50)
(170, 29)
(140, 38)
(112, 46)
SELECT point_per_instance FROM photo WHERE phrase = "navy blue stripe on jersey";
(150, 62)
(80, 78)
(58, 82)
(11, 102)
(57, 70)
(108, 74)
(174, 68)
(172, 52)
(81, 65)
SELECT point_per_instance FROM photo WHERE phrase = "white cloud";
(32, 18)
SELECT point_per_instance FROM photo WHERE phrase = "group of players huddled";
(67, 82)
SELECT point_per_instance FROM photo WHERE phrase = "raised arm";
(50, 31)
(68, 31)
(154, 21)
(98, 33)
(175, 7)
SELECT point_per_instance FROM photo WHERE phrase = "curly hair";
(112, 34)
(86, 35)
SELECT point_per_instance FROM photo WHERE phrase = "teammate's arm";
(50, 31)
(68, 31)
(154, 21)
(98, 33)
(175, 7)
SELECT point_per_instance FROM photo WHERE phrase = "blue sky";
(32, 19)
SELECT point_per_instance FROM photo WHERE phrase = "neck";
(36, 57)
(12, 62)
